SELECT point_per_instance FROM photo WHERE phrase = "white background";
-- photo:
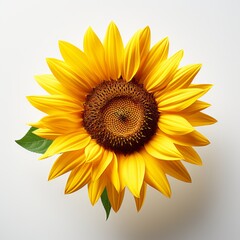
(33, 208)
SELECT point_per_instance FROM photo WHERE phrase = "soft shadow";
(169, 219)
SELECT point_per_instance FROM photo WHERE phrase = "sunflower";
(121, 117)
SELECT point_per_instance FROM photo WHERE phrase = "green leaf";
(33, 142)
(106, 204)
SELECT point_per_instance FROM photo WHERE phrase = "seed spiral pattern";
(121, 116)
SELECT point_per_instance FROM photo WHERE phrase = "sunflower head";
(121, 116)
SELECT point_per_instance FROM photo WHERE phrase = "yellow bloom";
(121, 117)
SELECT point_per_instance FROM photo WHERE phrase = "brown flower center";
(121, 116)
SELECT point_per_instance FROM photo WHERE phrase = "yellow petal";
(54, 104)
(68, 78)
(155, 175)
(174, 124)
(49, 83)
(196, 106)
(114, 51)
(200, 119)
(205, 87)
(66, 143)
(113, 173)
(155, 57)
(176, 170)
(38, 124)
(78, 178)
(115, 197)
(95, 53)
(189, 154)
(46, 133)
(93, 151)
(139, 201)
(78, 61)
(161, 147)
(179, 99)
(133, 170)
(63, 123)
(191, 139)
(100, 167)
(144, 46)
(144, 42)
(159, 77)
(66, 162)
(184, 76)
(95, 189)
(131, 61)
(121, 166)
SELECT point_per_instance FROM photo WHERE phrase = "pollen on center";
(121, 116)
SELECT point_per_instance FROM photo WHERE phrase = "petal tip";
(169, 195)
(199, 163)
(199, 65)
(62, 44)
(50, 61)
(50, 177)
(89, 30)
(189, 180)
(165, 40)
(180, 53)
(43, 157)
(66, 191)
(112, 24)
(147, 29)
(37, 77)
